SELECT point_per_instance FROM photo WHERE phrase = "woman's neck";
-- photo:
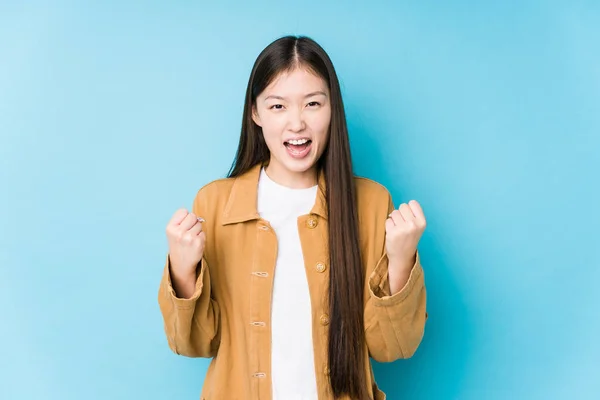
(292, 179)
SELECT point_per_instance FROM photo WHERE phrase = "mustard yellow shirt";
(227, 318)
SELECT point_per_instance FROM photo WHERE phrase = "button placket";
(260, 283)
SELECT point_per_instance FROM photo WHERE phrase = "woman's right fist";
(186, 242)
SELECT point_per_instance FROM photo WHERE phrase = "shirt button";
(320, 267)
(324, 319)
(312, 222)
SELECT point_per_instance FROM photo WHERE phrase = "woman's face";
(294, 112)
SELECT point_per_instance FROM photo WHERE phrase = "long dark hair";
(346, 332)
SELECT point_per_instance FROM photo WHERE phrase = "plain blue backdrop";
(113, 114)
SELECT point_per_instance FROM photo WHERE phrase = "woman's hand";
(186, 248)
(403, 229)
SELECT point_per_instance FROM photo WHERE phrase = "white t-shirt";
(292, 358)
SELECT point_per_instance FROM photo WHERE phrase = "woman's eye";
(313, 103)
(276, 107)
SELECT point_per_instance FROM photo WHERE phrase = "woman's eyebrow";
(318, 92)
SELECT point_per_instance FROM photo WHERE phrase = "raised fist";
(186, 242)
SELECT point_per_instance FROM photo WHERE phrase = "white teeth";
(297, 142)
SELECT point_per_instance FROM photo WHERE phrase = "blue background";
(113, 114)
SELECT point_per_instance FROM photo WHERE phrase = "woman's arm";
(190, 314)
(394, 324)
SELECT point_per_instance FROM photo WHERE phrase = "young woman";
(291, 273)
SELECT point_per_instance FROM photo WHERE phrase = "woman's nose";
(296, 121)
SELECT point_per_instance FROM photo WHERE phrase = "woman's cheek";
(275, 123)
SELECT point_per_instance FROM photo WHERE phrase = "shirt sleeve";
(191, 325)
(394, 324)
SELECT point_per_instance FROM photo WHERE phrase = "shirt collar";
(241, 205)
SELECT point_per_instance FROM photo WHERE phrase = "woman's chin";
(297, 166)
(300, 166)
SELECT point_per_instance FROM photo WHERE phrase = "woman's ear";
(255, 116)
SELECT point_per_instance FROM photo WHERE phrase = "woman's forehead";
(298, 82)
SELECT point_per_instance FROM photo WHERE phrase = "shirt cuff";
(379, 286)
(180, 302)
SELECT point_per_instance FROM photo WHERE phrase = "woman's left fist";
(403, 229)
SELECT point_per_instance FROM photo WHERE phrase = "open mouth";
(298, 148)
